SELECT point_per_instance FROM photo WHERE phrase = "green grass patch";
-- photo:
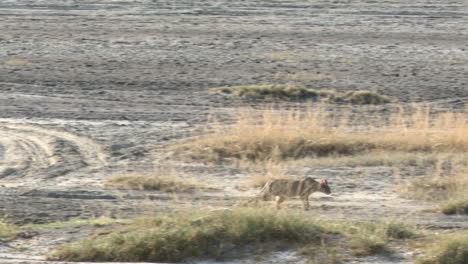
(299, 92)
(448, 249)
(199, 234)
(181, 236)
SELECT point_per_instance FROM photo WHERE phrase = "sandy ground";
(94, 88)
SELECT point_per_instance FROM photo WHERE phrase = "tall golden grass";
(282, 135)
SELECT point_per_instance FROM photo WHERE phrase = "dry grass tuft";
(448, 249)
(372, 238)
(16, 62)
(259, 179)
(160, 180)
(449, 187)
(284, 135)
(148, 182)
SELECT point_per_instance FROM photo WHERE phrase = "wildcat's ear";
(323, 182)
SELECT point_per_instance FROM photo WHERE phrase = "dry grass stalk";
(282, 135)
(259, 179)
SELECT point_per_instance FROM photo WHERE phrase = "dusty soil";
(94, 88)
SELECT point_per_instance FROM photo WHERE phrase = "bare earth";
(94, 88)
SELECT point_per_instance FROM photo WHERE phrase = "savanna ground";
(99, 88)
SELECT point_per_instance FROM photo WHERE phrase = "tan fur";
(281, 189)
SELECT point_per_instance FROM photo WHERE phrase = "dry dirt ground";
(94, 88)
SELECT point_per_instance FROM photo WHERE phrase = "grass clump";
(397, 230)
(431, 188)
(299, 92)
(186, 235)
(373, 238)
(7, 231)
(153, 182)
(449, 249)
(455, 207)
(364, 245)
(366, 97)
(181, 236)
(274, 91)
(285, 135)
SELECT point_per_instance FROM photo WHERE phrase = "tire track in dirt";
(33, 151)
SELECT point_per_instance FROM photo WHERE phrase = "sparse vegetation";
(373, 238)
(183, 235)
(430, 188)
(301, 76)
(96, 222)
(449, 190)
(169, 183)
(325, 254)
(259, 179)
(299, 92)
(364, 245)
(448, 249)
(285, 135)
